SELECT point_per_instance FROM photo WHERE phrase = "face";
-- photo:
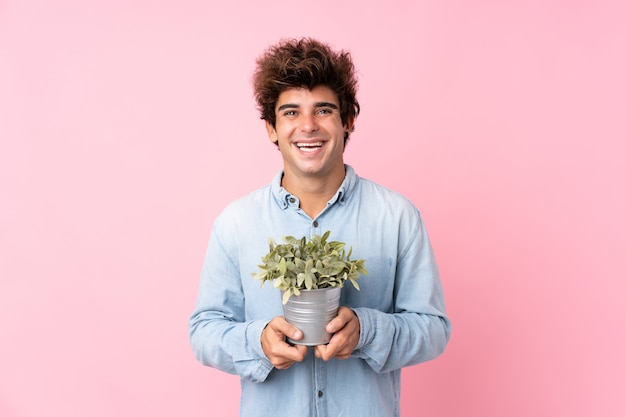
(309, 132)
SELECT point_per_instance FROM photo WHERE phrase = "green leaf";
(278, 281)
(297, 264)
(282, 267)
(300, 279)
(286, 295)
(308, 280)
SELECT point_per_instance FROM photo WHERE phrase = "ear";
(271, 133)
(349, 126)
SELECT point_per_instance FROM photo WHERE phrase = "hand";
(347, 331)
(281, 354)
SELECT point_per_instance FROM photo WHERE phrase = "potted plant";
(310, 275)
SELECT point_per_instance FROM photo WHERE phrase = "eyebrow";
(317, 105)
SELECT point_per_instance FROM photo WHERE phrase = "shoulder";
(390, 210)
(386, 197)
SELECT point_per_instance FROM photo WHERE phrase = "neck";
(313, 192)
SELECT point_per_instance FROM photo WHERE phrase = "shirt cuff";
(367, 324)
(253, 340)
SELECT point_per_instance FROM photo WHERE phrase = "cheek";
(282, 131)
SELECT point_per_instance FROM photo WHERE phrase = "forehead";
(303, 96)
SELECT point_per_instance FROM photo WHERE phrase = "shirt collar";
(284, 198)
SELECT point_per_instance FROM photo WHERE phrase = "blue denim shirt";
(400, 305)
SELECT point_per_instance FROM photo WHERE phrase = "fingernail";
(297, 334)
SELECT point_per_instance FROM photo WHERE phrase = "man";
(306, 93)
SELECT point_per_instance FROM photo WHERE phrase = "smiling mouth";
(309, 147)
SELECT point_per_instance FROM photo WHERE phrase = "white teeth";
(313, 145)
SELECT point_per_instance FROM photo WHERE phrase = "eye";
(289, 113)
(324, 110)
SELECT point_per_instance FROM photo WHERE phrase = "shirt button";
(315, 223)
(320, 393)
(292, 200)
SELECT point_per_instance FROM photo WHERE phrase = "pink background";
(126, 126)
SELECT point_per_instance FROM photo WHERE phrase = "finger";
(344, 315)
(335, 324)
(320, 351)
(273, 341)
(327, 352)
(302, 351)
(280, 326)
(281, 350)
(341, 344)
(292, 354)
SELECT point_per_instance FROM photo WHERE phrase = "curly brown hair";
(305, 62)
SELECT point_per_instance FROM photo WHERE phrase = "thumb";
(281, 325)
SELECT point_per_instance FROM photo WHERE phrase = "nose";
(308, 122)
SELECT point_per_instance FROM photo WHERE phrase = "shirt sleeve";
(418, 329)
(219, 335)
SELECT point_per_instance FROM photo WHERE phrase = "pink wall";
(126, 126)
